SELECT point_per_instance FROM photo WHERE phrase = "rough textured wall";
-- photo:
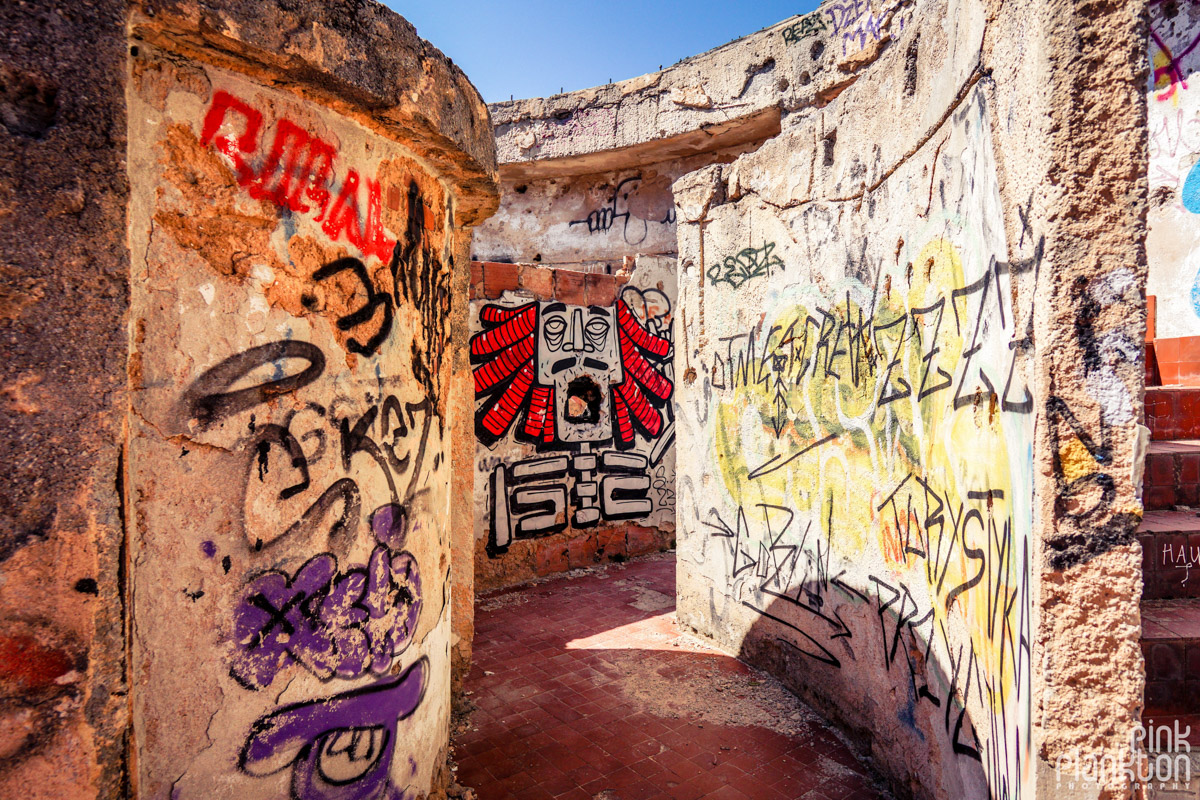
(729, 96)
(587, 174)
(291, 441)
(1089, 338)
(587, 222)
(908, 412)
(63, 305)
(575, 459)
(1173, 98)
(462, 480)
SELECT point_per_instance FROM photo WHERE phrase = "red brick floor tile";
(758, 790)
(539, 740)
(640, 790)
(683, 791)
(604, 762)
(585, 775)
(473, 773)
(650, 769)
(683, 768)
(500, 767)
(574, 794)
(728, 773)
(707, 783)
(555, 717)
(516, 783)
(557, 783)
(595, 787)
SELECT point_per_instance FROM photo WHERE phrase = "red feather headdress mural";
(604, 350)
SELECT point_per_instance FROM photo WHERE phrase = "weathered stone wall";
(575, 456)
(63, 298)
(908, 411)
(586, 186)
(587, 222)
(272, 497)
(1173, 245)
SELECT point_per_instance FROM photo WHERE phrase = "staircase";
(1170, 537)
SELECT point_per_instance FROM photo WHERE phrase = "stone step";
(1173, 412)
(1170, 554)
(1172, 475)
(1171, 646)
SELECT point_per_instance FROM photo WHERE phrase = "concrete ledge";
(357, 57)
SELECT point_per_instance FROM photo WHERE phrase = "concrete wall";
(267, 509)
(586, 175)
(566, 478)
(586, 182)
(907, 429)
(587, 222)
(1173, 245)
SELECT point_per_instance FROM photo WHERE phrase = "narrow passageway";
(585, 687)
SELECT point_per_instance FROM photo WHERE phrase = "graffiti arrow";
(771, 466)
(780, 413)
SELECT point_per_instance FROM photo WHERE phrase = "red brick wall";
(490, 279)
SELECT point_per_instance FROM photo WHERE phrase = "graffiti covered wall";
(289, 456)
(866, 427)
(575, 461)
(851, 405)
(590, 222)
(1173, 98)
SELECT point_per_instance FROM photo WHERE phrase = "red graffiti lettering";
(233, 148)
(343, 217)
(296, 172)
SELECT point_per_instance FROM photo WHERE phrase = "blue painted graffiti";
(1191, 190)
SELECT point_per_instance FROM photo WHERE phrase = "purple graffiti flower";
(389, 523)
(393, 601)
(341, 746)
(274, 624)
(343, 616)
(333, 624)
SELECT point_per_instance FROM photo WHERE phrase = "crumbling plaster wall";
(910, 392)
(731, 95)
(553, 492)
(291, 441)
(587, 174)
(272, 496)
(1174, 103)
(588, 222)
(63, 299)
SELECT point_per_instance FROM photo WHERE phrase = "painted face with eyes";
(578, 353)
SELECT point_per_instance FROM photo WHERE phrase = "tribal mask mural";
(591, 380)
(572, 371)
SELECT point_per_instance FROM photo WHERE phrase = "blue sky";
(533, 48)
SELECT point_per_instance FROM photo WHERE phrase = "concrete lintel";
(749, 129)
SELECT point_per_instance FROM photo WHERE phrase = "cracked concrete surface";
(289, 437)
(808, 417)
(872, 157)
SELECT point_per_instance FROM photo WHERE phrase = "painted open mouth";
(583, 401)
